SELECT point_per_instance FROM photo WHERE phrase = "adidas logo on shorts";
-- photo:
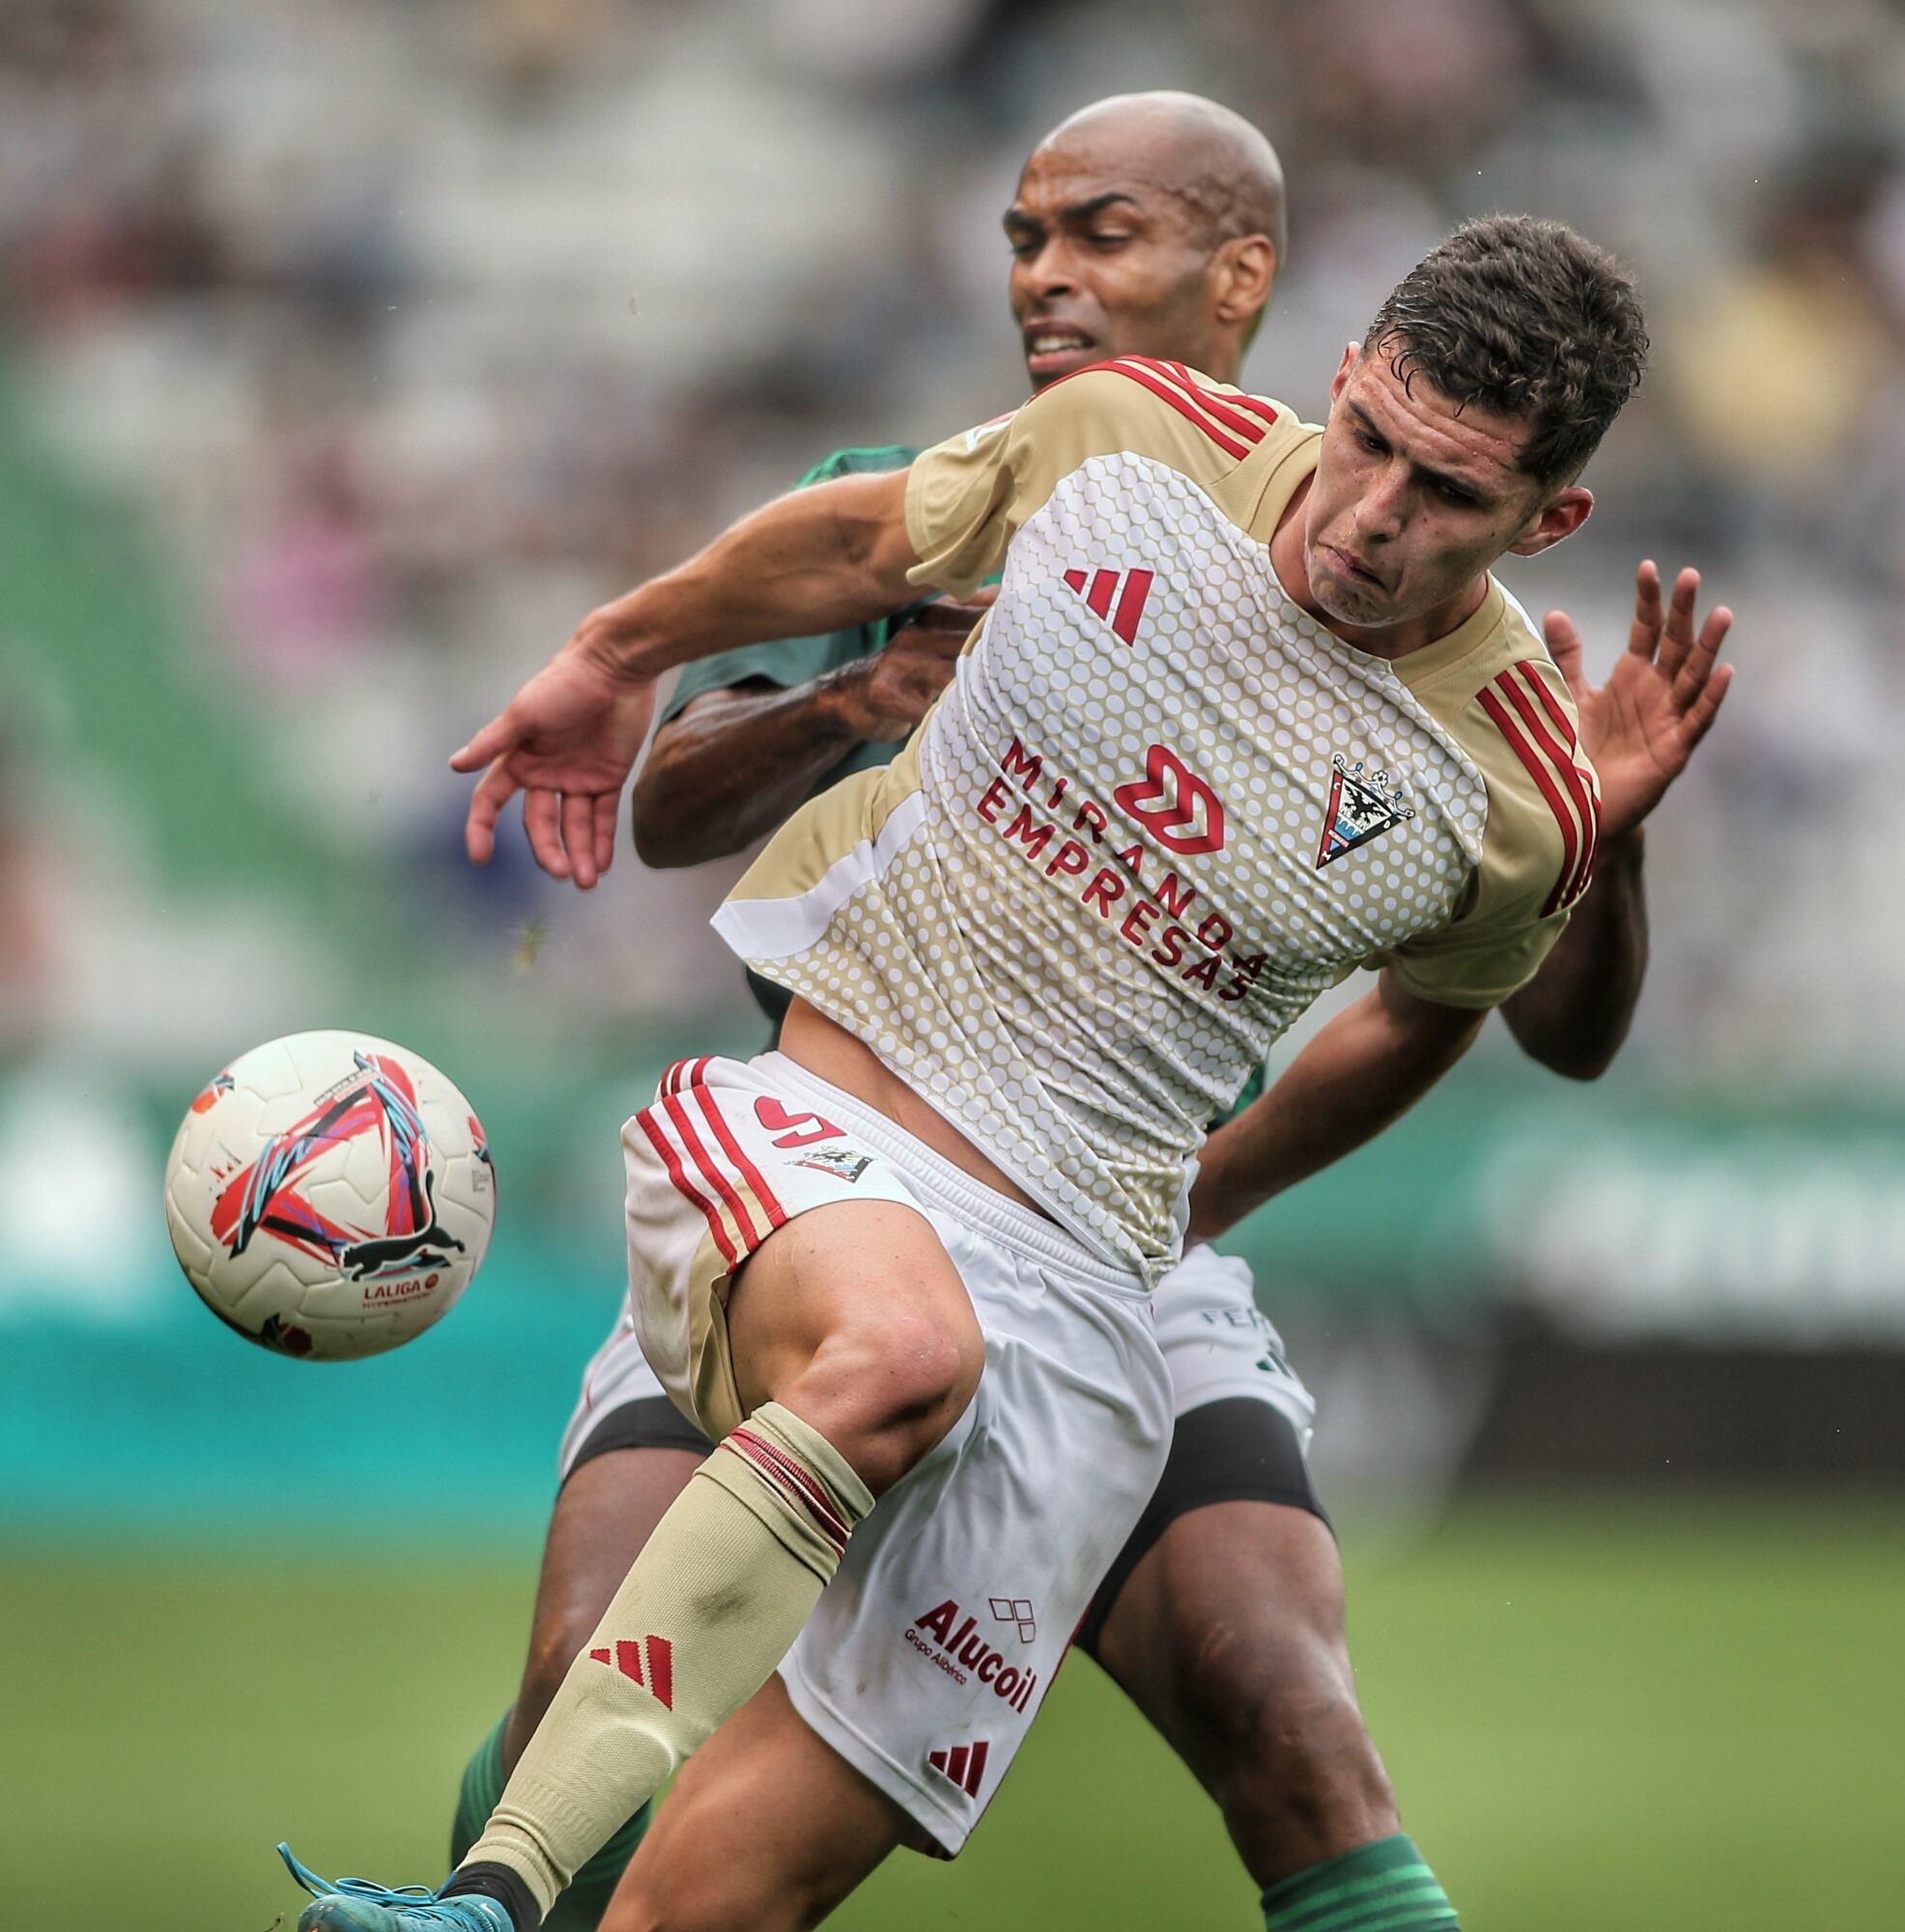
(964, 1764)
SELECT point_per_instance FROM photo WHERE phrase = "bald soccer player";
(1230, 1639)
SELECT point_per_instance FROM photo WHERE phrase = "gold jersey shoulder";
(969, 495)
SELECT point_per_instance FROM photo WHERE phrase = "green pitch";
(1604, 1714)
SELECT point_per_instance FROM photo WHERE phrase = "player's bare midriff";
(828, 1052)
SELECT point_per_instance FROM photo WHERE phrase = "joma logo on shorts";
(964, 1653)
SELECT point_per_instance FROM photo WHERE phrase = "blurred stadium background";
(350, 350)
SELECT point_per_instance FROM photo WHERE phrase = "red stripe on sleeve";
(1098, 600)
(1257, 407)
(1544, 778)
(1569, 773)
(1180, 402)
(976, 1771)
(1536, 683)
(659, 1141)
(1223, 408)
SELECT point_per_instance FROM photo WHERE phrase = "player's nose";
(1050, 271)
(1379, 512)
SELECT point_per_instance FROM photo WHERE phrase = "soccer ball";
(329, 1195)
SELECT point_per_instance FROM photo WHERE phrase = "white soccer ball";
(329, 1195)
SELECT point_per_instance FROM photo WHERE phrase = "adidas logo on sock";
(627, 1656)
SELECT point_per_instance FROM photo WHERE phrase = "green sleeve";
(788, 662)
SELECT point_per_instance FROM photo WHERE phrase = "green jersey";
(791, 662)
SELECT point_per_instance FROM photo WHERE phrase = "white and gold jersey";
(1161, 808)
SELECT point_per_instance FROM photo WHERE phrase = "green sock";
(1380, 1887)
(580, 1908)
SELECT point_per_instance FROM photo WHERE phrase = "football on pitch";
(329, 1195)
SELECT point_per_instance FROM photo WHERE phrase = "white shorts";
(1216, 1344)
(927, 1656)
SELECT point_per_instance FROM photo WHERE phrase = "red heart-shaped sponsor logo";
(1173, 804)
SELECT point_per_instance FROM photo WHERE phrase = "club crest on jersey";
(1362, 804)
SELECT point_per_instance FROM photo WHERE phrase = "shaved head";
(1147, 224)
(1222, 169)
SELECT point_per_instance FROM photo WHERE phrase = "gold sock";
(711, 1605)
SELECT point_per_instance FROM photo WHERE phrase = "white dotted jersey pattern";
(1112, 902)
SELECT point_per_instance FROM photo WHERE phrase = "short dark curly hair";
(1525, 319)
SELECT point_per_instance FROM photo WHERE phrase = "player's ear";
(1351, 356)
(1560, 516)
(1246, 268)
(1346, 370)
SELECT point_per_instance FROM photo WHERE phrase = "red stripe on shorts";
(684, 1126)
(776, 1215)
(659, 1141)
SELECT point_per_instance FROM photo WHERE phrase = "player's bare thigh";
(1229, 1635)
(766, 1830)
(854, 1315)
(603, 1514)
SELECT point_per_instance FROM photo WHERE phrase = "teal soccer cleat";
(356, 1905)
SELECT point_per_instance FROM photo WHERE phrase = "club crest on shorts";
(1363, 803)
(841, 1162)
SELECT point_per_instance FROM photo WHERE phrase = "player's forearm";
(1574, 1014)
(1364, 1070)
(734, 766)
(821, 559)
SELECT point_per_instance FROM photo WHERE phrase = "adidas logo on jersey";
(1103, 587)
(628, 1657)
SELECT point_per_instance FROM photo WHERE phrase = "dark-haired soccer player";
(1462, 829)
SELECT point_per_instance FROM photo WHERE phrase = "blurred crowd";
(413, 328)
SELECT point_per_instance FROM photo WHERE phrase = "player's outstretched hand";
(1661, 698)
(567, 741)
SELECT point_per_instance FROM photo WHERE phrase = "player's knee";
(892, 1387)
(926, 1372)
(1273, 1701)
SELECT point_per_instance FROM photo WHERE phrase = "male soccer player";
(1035, 953)
(1145, 225)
